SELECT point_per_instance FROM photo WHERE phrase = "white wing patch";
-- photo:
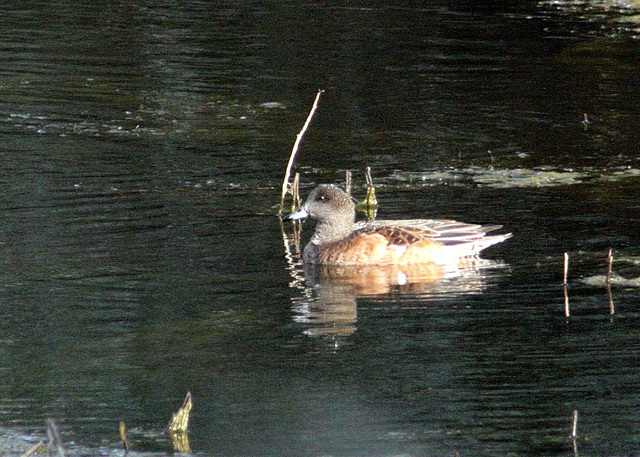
(399, 249)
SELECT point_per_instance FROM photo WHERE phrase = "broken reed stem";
(123, 437)
(347, 182)
(612, 309)
(54, 443)
(294, 151)
(370, 204)
(180, 421)
(179, 425)
(371, 200)
(574, 425)
(367, 176)
(574, 433)
(565, 274)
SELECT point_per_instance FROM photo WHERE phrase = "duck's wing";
(407, 232)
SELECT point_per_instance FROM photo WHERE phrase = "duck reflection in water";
(345, 259)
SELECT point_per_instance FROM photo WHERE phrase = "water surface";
(143, 150)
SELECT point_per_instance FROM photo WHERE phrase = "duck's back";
(406, 232)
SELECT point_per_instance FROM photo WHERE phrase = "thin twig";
(35, 448)
(565, 273)
(294, 151)
(574, 433)
(612, 308)
(368, 177)
(347, 182)
(54, 443)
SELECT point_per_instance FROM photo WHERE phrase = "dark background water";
(141, 255)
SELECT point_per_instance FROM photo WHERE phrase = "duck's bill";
(300, 214)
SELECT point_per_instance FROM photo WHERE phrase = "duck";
(339, 240)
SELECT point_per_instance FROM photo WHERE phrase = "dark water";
(142, 257)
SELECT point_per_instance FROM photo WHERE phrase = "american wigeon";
(339, 240)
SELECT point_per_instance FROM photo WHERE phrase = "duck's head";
(327, 203)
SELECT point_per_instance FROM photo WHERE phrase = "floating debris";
(158, 115)
(614, 280)
(505, 178)
(272, 105)
(525, 177)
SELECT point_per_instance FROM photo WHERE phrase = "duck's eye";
(321, 198)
